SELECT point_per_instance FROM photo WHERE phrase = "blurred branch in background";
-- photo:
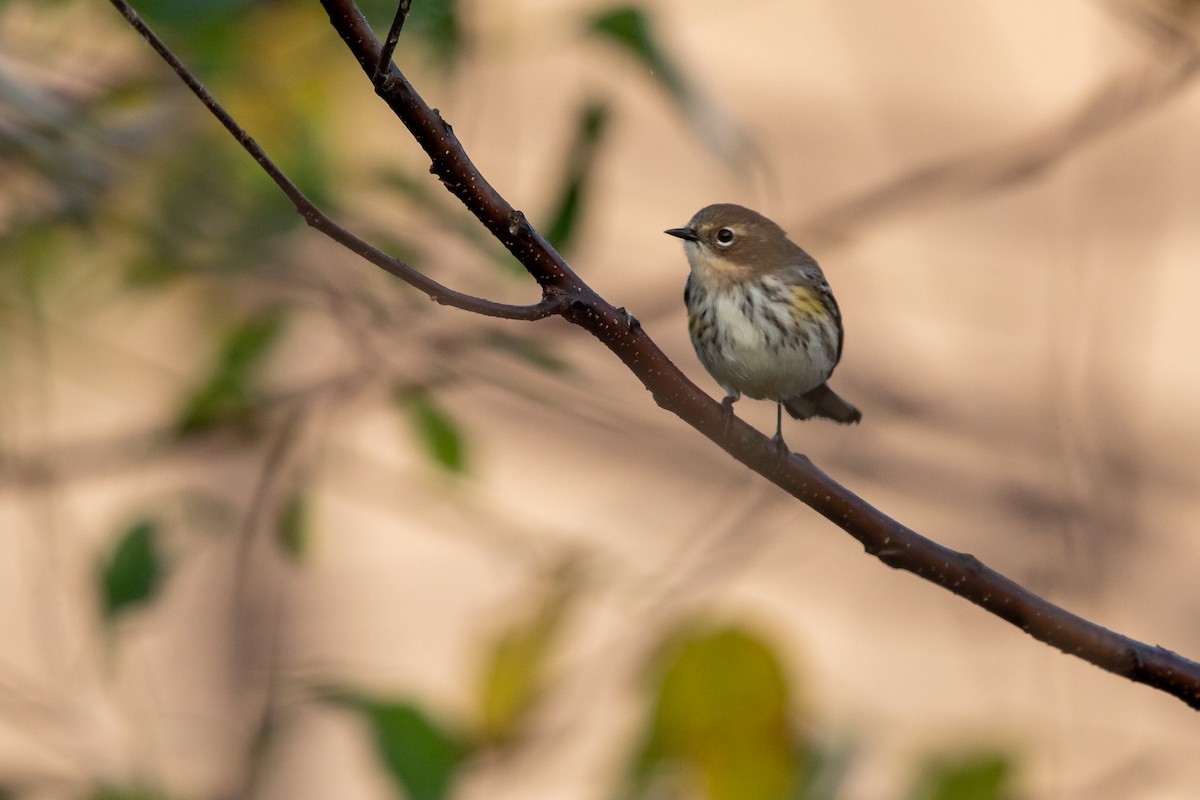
(1173, 54)
(120, 199)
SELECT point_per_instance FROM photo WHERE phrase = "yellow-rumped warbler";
(762, 317)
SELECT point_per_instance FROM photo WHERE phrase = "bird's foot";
(727, 414)
(781, 449)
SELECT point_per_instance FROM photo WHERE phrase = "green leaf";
(131, 574)
(229, 388)
(577, 175)
(721, 721)
(515, 671)
(976, 776)
(511, 682)
(629, 28)
(438, 432)
(294, 527)
(127, 793)
(420, 755)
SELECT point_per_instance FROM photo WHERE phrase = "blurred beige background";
(1004, 197)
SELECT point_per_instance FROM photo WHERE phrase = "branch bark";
(569, 296)
(318, 219)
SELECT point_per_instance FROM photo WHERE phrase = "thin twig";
(389, 44)
(549, 305)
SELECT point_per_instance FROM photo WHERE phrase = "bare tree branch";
(389, 44)
(893, 543)
(316, 218)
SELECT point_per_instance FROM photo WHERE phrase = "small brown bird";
(761, 315)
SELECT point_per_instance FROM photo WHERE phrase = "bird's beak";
(687, 234)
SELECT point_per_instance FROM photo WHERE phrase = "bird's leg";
(727, 412)
(778, 437)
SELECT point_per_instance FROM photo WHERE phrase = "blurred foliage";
(119, 186)
(629, 27)
(724, 724)
(212, 216)
(722, 721)
(229, 389)
(422, 756)
(437, 431)
(293, 527)
(529, 350)
(128, 793)
(578, 173)
(447, 214)
(132, 573)
(971, 776)
(516, 669)
(436, 24)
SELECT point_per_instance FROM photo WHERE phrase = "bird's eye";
(725, 237)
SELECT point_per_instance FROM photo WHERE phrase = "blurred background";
(273, 525)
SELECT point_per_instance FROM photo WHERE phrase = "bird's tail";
(822, 402)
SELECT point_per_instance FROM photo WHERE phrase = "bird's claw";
(727, 414)
(782, 451)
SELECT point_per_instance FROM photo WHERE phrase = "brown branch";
(893, 543)
(548, 306)
(389, 44)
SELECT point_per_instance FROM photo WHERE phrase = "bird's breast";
(761, 338)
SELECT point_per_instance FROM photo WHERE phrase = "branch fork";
(565, 294)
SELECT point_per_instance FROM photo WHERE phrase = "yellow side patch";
(807, 303)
